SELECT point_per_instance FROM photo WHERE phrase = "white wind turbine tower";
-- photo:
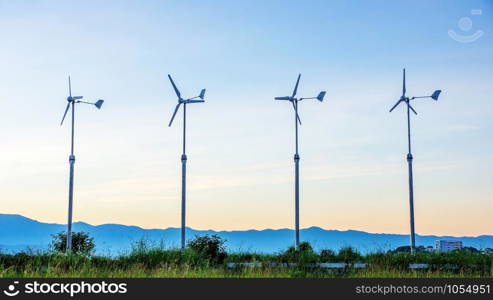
(409, 157)
(183, 156)
(294, 101)
(72, 100)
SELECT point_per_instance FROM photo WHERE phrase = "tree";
(348, 254)
(305, 247)
(209, 247)
(468, 249)
(327, 255)
(303, 255)
(82, 243)
(408, 249)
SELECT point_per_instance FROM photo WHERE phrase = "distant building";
(445, 246)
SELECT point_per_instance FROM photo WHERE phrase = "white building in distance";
(445, 246)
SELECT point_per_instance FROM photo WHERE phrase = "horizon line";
(253, 229)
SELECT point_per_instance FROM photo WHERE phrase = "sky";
(240, 142)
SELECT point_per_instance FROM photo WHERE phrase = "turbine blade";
(283, 98)
(66, 110)
(412, 109)
(69, 87)
(395, 105)
(174, 114)
(296, 86)
(174, 87)
(404, 82)
(297, 116)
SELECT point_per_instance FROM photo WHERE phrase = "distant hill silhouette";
(18, 233)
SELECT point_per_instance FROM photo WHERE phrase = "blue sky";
(240, 142)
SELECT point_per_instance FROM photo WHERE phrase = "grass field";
(159, 262)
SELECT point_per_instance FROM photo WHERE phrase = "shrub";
(404, 249)
(305, 247)
(82, 243)
(327, 255)
(349, 254)
(209, 247)
(305, 254)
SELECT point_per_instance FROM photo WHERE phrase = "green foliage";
(209, 248)
(146, 260)
(206, 257)
(82, 243)
(408, 249)
(455, 260)
(249, 257)
(349, 255)
(327, 255)
(305, 247)
(304, 255)
(469, 249)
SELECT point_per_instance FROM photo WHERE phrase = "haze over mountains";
(17, 233)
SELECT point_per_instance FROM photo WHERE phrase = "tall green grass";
(158, 261)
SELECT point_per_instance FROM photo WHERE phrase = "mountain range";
(18, 233)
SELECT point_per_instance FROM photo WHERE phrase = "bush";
(404, 249)
(349, 255)
(304, 255)
(82, 243)
(210, 248)
(469, 249)
(305, 247)
(327, 255)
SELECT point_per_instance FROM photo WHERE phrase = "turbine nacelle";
(191, 100)
(73, 98)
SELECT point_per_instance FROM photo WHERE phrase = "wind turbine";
(294, 101)
(407, 100)
(184, 155)
(72, 100)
